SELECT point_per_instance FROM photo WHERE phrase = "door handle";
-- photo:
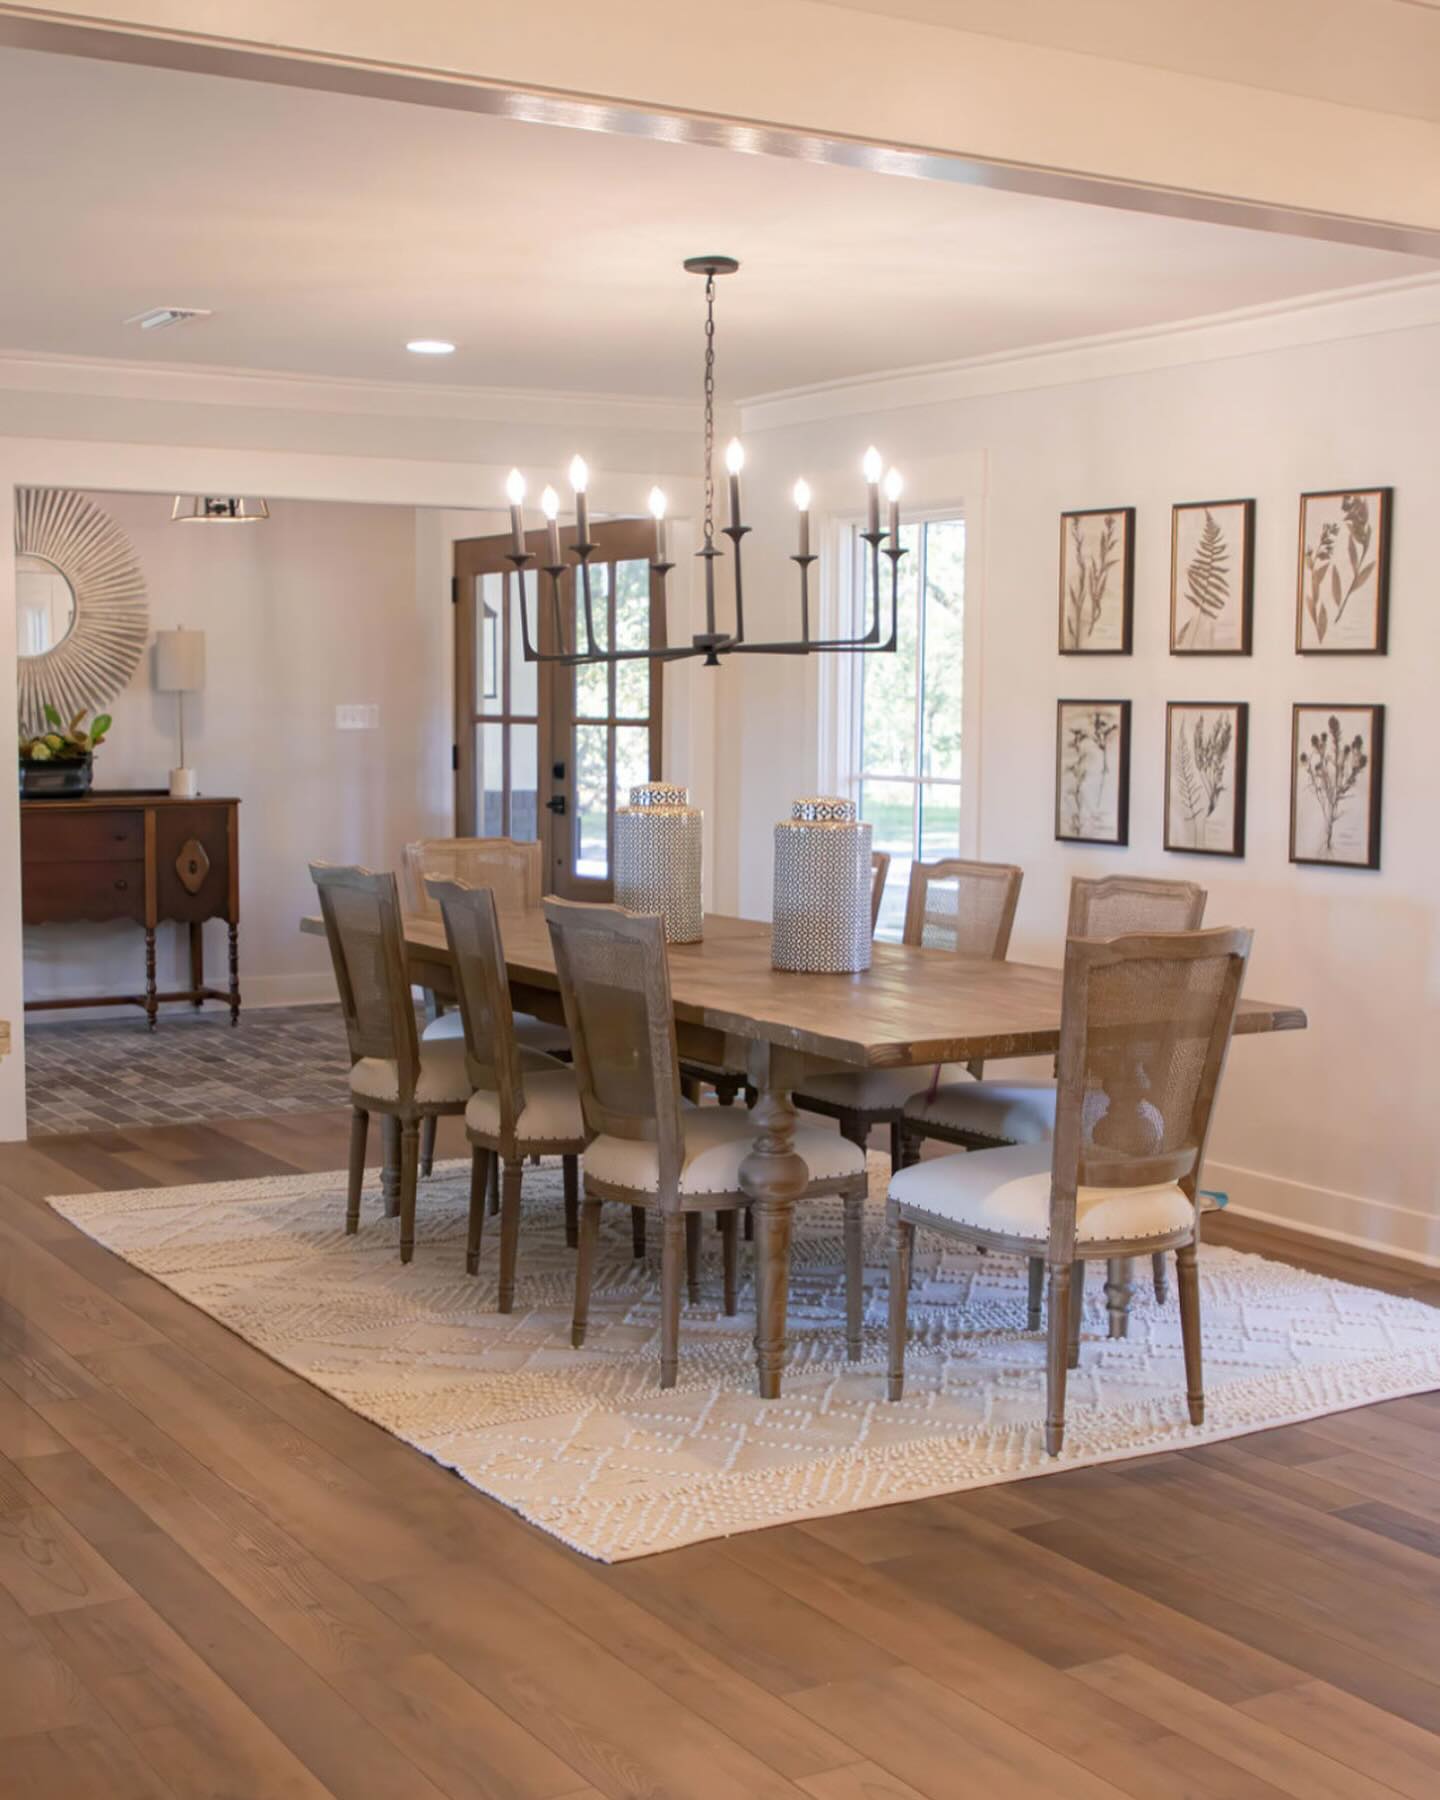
(556, 804)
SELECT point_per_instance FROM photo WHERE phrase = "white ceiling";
(325, 230)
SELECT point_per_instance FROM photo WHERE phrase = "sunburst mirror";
(80, 612)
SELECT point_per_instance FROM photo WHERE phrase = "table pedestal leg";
(774, 1177)
(390, 1164)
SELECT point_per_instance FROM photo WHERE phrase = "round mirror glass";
(44, 605)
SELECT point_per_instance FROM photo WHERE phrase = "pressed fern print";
(1210, 575)
(1207, 581)
(1204, 803)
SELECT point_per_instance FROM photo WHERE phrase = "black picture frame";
(1070, 814)
(1245, 571)
(1125, 568)
(1240, 739)
(1370, 836)
(1379, 642)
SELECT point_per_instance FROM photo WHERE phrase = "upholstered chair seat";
(550, 1115)
(876, 1090)
(530, 1033)
(715, 1141)
(441, 1076)
(1013, 1112)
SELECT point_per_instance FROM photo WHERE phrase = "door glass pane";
(944, 647)
(592, 684)
(490, 779)
(524, 781)
(592, 801)
(489, 642)
(632, 632)
(632, 760)
(890, 808)
(524, 676)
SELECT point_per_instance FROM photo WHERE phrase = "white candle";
(657, 512)
(735, 462)
(893, 488)
(802, 506)
(515, 489)
(873, 467)
(579, 481)
(550, 506)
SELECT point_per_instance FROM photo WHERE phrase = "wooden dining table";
(912, 1008)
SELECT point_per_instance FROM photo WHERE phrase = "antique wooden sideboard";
(138, 855)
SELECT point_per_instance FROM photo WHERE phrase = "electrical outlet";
(357, 718)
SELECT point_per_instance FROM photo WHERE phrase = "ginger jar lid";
(822, 809)
(648, 796)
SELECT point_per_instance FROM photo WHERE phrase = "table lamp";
(180, 670)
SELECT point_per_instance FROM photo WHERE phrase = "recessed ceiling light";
(158, 317)
(430, 347)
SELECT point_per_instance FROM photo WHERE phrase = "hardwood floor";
(217, 1582)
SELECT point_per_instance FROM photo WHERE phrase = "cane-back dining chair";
(513, 871)
(1145, 1026)
(651, 1148)
(980, 1115)
(965, 907)
(391, 1071)
(525, 1103)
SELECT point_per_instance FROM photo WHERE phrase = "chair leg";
(854, 1276)
(694, 1223)
(902, 1247)
(1117, 1295)
(637, 1230)
(855, 1131)
(588, 1236)
(509, 1229)
(749, 1224)
(390, 1164)
(1187, 1280)
(671, 1259)
(409, 1178)
(427, 1143)
(480, 1161)
(494, 1203)
(1077, 1314)
(570, 1170)
(897, 1145)
(1160, 1275)
(730, 1252)
(1057, 1356)
(359, 1131)
(1035, 1269)
(727, 1089)
(910, 1142)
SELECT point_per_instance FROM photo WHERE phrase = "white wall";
(1333, 1127)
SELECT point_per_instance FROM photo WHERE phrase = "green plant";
(64, 743)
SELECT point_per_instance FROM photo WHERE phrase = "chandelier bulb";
(515, 487)
(873, 466)
(550, 503)
(802, 495)
(734, 456)
(657, 502)
(579, 474)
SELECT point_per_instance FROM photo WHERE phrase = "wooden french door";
(543, 751)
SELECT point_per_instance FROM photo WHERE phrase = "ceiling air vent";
(159, 317)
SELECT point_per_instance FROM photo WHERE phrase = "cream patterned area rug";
(586, 1446)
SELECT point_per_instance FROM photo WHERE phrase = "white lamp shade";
(179, 661)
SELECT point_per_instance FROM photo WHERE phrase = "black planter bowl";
(56, 780)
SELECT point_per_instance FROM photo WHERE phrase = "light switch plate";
(357, 718)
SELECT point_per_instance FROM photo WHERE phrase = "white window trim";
(949, 487)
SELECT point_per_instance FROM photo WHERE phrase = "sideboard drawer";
(57, 837)
(55, 893)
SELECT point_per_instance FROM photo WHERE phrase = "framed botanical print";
(1092, 771)
(1342, 601)
(1097, 581)
(1212, 577)
(1205, 747)
(1335, 768)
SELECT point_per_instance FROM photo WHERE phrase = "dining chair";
(524, 1103)
(651, 1148)
(979, 1115)
(1145, 1026)
(392, 1072)
(964, 907)
(512, 869)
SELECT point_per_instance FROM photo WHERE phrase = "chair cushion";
(531, 1033)
(717, 1141)
(442, 1076)
(1023, 1112)
(875, 1090)
(551, 1113)
(1008, 1191)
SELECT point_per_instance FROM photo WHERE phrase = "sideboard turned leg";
(234, 974)
(152, 1004)
(197, 964)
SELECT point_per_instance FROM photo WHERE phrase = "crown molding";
(23, 371)
(1411, 303)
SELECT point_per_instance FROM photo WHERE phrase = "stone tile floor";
(99, 1074)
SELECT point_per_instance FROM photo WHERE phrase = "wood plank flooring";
(215, 1582)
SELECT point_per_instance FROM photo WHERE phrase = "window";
(906, 710)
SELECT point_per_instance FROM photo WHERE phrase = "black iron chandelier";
(575, 646)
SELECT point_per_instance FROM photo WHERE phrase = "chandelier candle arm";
(550, 506)
(515, 492)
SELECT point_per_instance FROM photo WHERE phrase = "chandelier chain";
(709, 411)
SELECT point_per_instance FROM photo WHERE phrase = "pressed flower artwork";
(1097, 581)
(1335, 770)
(1212, 564)
(1092, 771)
(1205, 777)
(1342, 602)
